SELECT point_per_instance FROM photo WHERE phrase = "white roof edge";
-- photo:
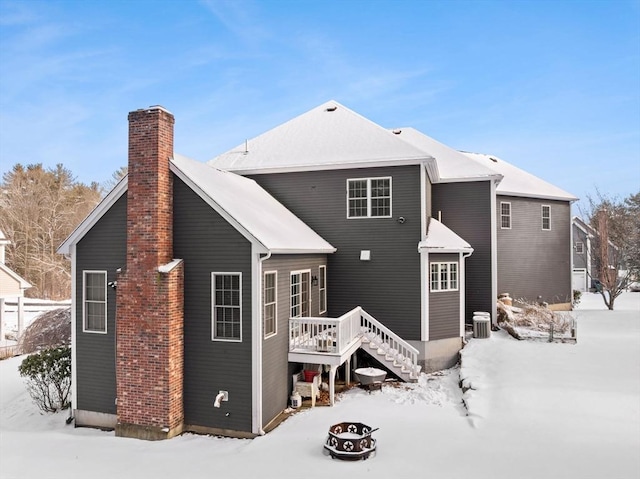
(303, 251)
(24, 284)
(540, 197)
(101, 208)
(497, 177)
(334, 166)
(217, 208)
(435, 249)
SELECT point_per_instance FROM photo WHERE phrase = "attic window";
(397, 132)
(331, 108)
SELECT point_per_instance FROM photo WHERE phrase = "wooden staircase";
(332, 341)
(391, 351)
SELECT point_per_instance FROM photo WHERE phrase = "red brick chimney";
(149, 297)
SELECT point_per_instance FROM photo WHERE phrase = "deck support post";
(332, 384)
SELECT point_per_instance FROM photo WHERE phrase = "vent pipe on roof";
(246, 146)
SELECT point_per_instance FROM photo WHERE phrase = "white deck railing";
(335, 335)
(327, 335)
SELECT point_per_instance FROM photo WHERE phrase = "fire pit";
(350, 441)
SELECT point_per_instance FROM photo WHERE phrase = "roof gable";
(441, 239)
(329, 136)
(247, 206)
(241, 201)
(518, 182)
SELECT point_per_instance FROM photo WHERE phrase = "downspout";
(74, 333)
(463, 293)
(425, 214)
(257, 345)
(494, 255)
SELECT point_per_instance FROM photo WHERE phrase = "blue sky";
(550, 86)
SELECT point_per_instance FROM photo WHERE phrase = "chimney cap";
(155, 108)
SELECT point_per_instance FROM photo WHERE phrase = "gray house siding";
(580, 259)
(276, 370)
(465, 208)
(103, 248)
(444, 306)
(387, 286)
(207, 243)
(534, 262)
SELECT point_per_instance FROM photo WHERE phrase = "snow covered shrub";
(576, 297)
(533, 320)
(48, 377)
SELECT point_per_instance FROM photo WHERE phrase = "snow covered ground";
(536, 410)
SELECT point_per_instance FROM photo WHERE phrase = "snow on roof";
(518, 182)
(452, 164)
(249, 207)
(441, 239)
(328, 136)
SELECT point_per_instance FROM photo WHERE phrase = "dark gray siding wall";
(533, 262)
(276, 370)
(207, 243)
(388, 286)
(466, 209)
(444, 306)
(103, 248)
(579, 259)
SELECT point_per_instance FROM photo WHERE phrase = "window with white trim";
(546, 217)
(300, 293)
(270, 303)
(94, 301)
(322, 283)
(369, 198)
(505, 215)
(444, 276)
(226, 291)
(579, 247)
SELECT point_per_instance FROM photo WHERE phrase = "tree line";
(39, 208)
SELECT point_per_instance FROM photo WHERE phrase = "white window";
(300, 293)
(94, 302)
(270, 303)
(444, 276)
(505, 215)
(546, 217)
(323, 289)
(579, 247)
(369, 198)
(226, 291)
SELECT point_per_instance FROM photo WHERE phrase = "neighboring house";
(533, 235)
(12, 287)
(197, 286)
(586, 267)
(583, 261)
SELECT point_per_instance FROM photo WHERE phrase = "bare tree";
(614, 246)
(39, 208)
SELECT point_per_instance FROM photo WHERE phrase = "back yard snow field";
(536, 410)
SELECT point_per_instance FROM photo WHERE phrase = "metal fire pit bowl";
(350, 441)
